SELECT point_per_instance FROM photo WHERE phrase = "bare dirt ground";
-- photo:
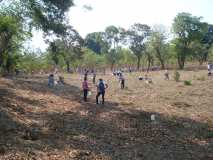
(41, 123)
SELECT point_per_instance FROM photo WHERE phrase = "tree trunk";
(1, 59)
(149, 58)
(112, 66)
(149, 64)
(138, 63)
(200, 62)
(160, 59)
(68, 66)
(181, 62)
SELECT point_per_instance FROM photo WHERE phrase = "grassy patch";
(187, 83)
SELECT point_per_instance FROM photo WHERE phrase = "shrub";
(176, 76)
(188, 83)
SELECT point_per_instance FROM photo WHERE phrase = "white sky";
(124, 13)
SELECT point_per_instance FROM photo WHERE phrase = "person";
(94, 77)
(61, 80)
(209, 69)
(101, 87)
(122, 82)
(85, 87)
(166, 74)
(51, 80)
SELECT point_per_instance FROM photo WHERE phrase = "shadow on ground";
(102, 132)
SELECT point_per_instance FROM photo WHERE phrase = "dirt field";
(40, 123)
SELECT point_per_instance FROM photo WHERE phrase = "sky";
(125, 13)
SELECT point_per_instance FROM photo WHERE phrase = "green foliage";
(187, 29)
(137, 35)
(32, 62)
(199, 51)
(187, 83)
(96, 42)
(48, 15)
(210, 55)
(112, 57)
(126, 57)
(12, 35)
(157, 42)
(176, 76)
(92, 60)
(112, 35)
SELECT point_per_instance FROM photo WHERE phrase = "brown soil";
(41, 123)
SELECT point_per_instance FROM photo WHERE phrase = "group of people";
(121, 78)
(101, 87)
(53, 80)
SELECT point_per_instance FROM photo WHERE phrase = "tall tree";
(187, 28)
(136, 37)
(158, 43)
(113, 37)
(71, 47)
(12, 35)
(207, 42)
(96, 42)
(68, 48)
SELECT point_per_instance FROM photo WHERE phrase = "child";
(101, 87)
(85, 88)
(122, 81)
(51, 80)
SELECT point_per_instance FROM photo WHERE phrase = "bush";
(188, 83)
(176, 76)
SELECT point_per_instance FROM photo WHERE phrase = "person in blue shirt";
(101, 87)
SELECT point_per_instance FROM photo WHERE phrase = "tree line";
(189, 40)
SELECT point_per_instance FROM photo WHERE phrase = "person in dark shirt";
(101, 87)
(85, 87)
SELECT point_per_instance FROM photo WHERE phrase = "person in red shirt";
(85, 87)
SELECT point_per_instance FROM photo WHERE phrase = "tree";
(92, 60)
(158, 43)
(126, 57)
(54, 52)
(113, 38)
(71, 47)
(68, 47)
(207, 41)
(136, 37)
(96, 42)
(187, 28)
(149, 55)
(200, 51)
(12, 34)
(112, 57)
(48, 15)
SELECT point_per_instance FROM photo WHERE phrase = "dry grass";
(67, 128)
